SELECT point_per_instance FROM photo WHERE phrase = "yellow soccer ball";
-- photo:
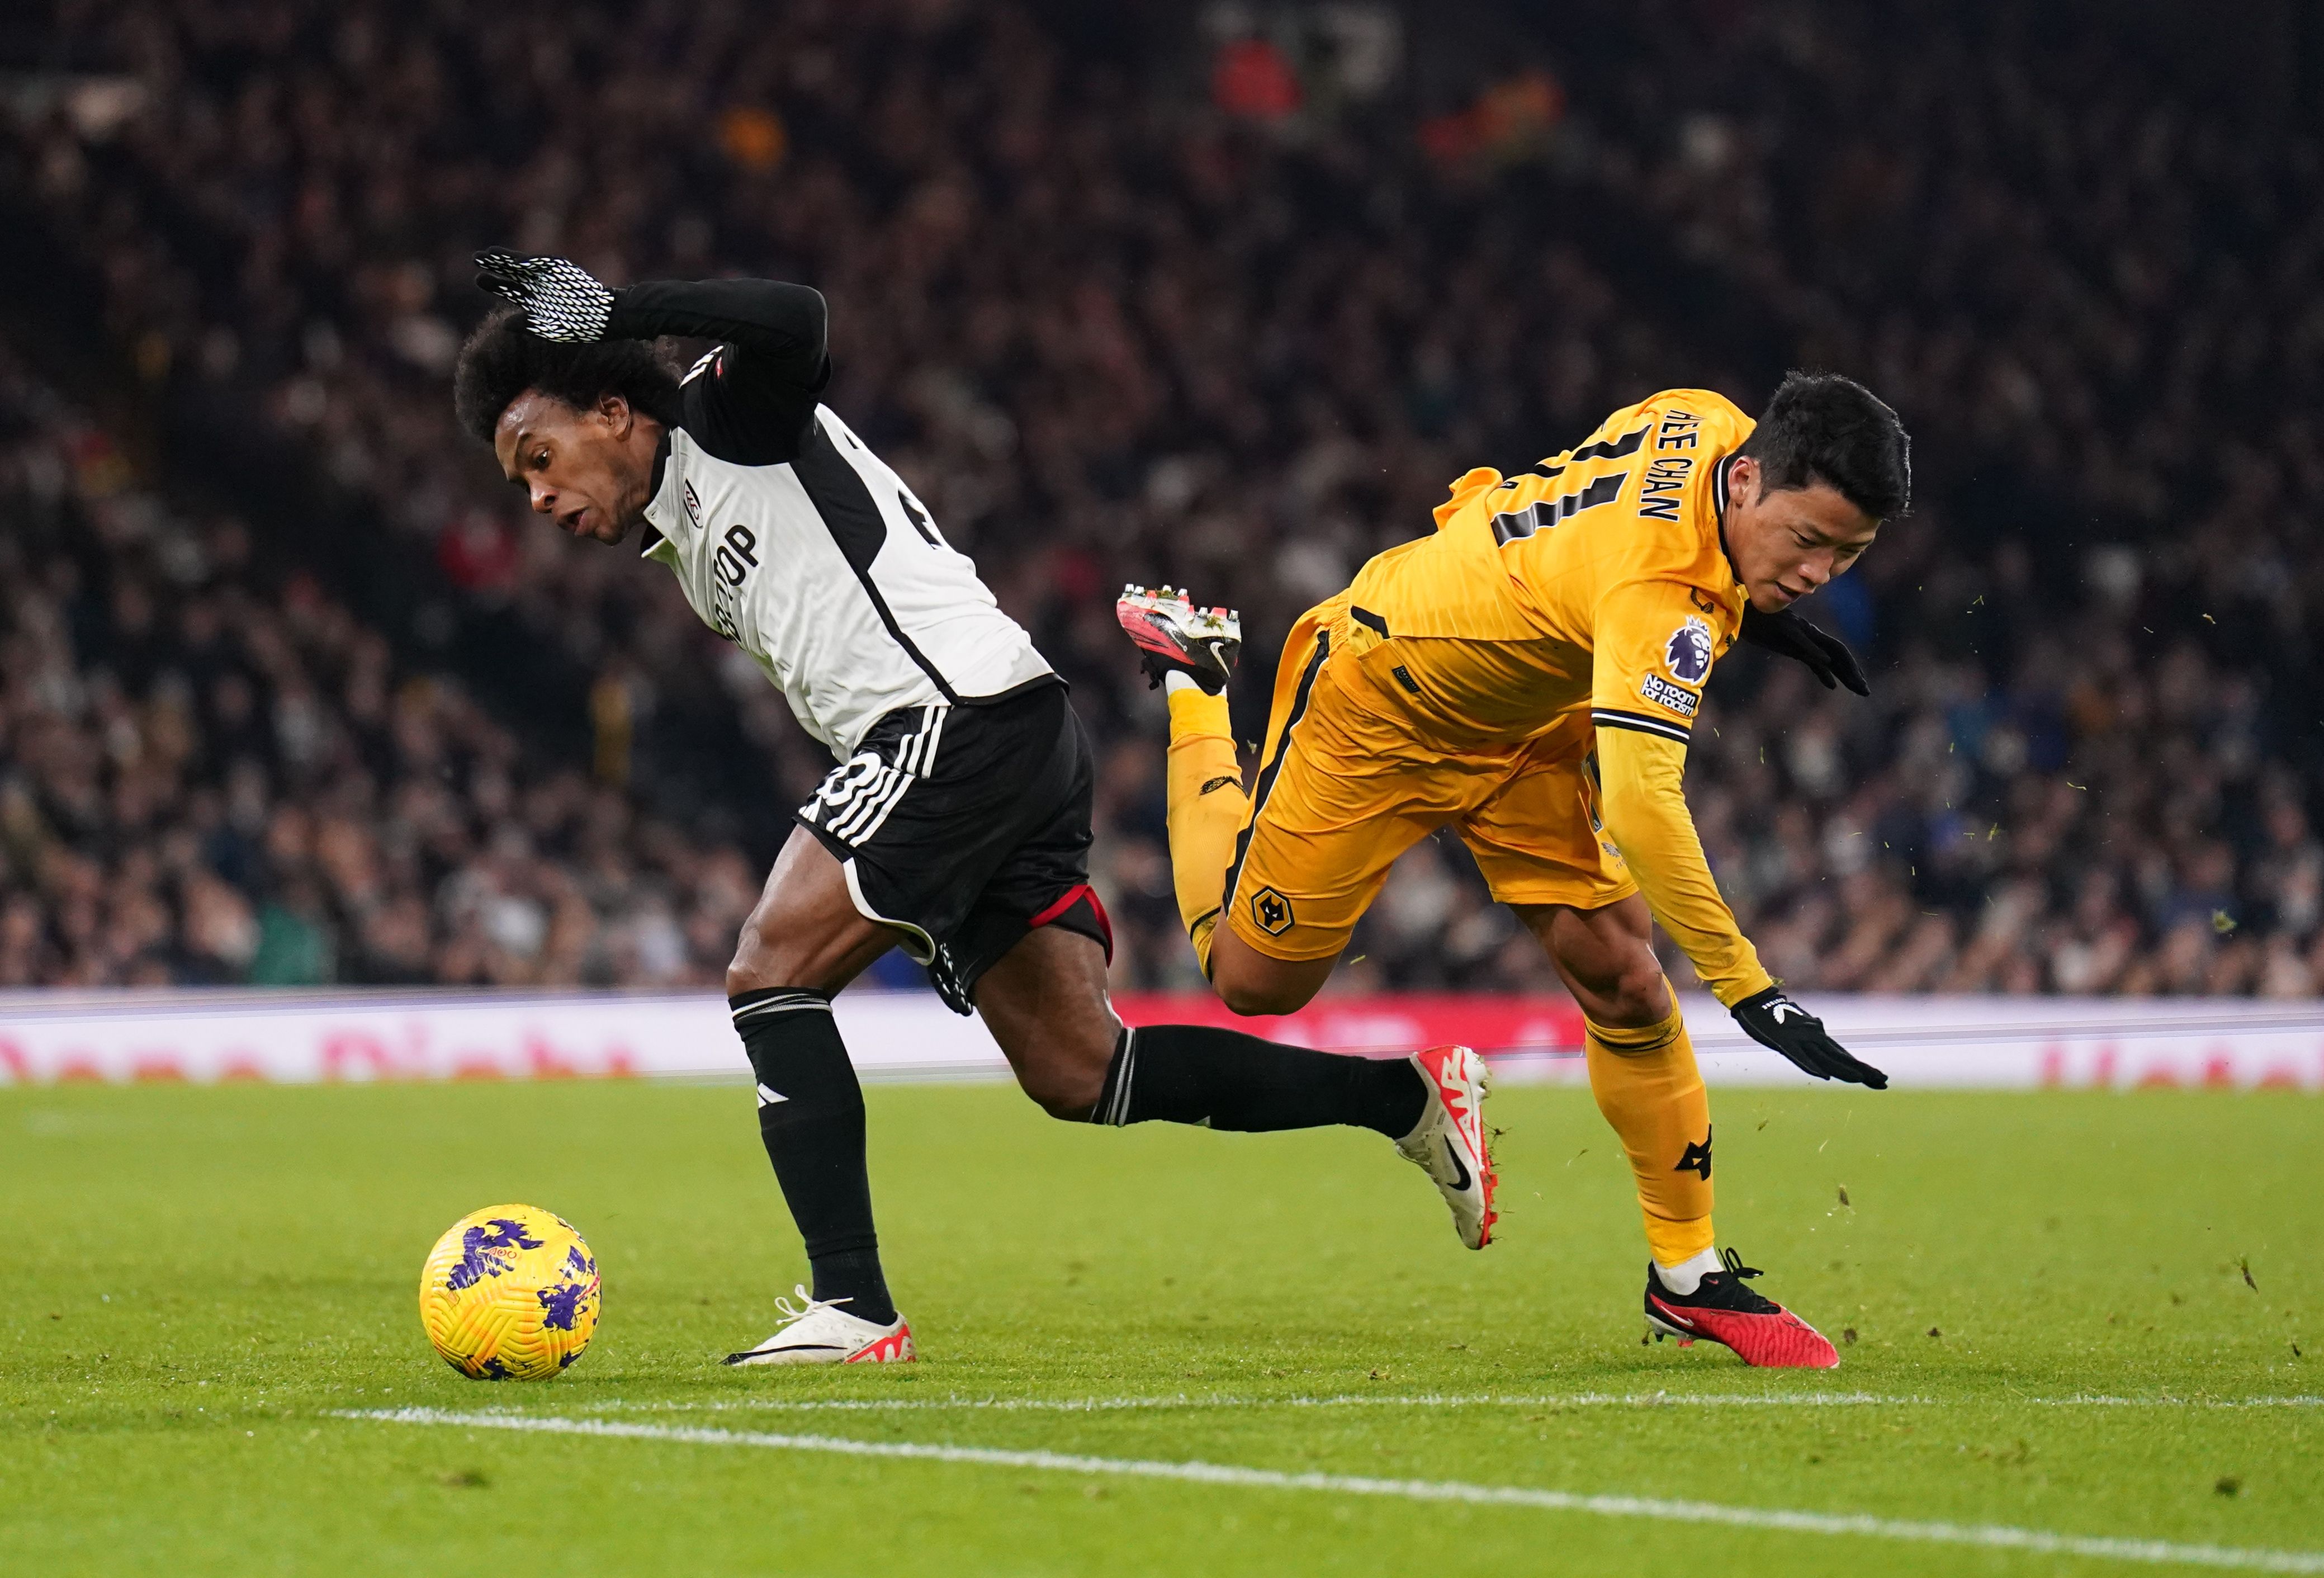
(510, 1293)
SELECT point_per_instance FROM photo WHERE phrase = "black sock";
(1191, 1074)
(811, 1117)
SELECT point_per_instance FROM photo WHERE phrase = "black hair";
(1821, 426)
(503, 358)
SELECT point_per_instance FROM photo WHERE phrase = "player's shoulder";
(1626, 429)
(1706, 406)
(737, 412)
(1703, 402)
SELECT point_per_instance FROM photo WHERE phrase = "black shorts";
(965, 828)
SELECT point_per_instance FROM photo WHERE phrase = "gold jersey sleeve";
(1641, 791)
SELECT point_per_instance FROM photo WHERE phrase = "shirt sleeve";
(781, 327)
(752, 399)
(1652, 651)
(1641, 789)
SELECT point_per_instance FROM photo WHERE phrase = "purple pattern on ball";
(563, 1304)
(485, 1252)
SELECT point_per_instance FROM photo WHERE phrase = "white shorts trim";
(917, 944)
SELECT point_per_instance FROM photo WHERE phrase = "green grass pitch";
(201, 1283)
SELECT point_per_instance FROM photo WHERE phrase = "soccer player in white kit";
(956, 824)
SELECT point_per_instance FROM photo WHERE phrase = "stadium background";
(332, 786)
(293, 692)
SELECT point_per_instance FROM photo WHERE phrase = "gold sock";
(1207, 808)
(1649, 1089)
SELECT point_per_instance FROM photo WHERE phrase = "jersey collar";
(1719, 521)
(653, 536)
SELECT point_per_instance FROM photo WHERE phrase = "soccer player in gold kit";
(1530, 674)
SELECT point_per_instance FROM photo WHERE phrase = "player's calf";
(811, 1122)
(1044, 1003)
(802, 942)
(1430, 1105)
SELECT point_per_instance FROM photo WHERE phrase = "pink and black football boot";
(1171, 632)
(1721, 1309)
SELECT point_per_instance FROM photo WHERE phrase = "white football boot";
(821, 1332)
(1449, 1142)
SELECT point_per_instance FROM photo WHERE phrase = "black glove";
(561, 300)
(1773, 1019)
(1826, 656)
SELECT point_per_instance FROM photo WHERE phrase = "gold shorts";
(1348, 782)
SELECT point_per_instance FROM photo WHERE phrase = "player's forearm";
(763, 315)
(1642, 779)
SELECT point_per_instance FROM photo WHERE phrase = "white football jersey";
(829, 571)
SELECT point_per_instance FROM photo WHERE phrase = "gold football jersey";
(1597, 579)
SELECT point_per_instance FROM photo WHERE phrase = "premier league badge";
(1687, 654)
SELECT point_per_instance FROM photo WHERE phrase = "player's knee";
(761, 962)
(1262, 996)
(1066, 1097)
(1635, 993)
(1060, 1060)
(1251, 983)
(1065, 1085)
(746, 971)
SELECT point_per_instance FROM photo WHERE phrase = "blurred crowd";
(210, 772)
(1112, 330)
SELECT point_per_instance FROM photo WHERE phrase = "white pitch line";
(1426, 1401)
(1995, 1536)
(1217, 1401)
(2096, 1401)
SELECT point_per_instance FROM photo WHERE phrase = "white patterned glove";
(560, 301)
